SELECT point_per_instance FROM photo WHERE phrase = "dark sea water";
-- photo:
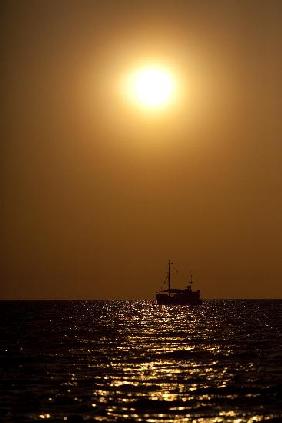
(121, 361)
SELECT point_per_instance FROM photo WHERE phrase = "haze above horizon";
(101, 186)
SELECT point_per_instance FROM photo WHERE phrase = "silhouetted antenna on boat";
(169, 276)
(190, 282)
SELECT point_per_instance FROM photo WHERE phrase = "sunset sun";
(151, 87)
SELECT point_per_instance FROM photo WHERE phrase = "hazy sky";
(98, 195)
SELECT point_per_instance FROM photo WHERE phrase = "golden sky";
(97, 193)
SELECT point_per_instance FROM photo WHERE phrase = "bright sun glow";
(152, 87)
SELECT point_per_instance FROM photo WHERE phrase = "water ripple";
(121, 361)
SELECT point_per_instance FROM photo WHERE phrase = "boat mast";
(169, 264)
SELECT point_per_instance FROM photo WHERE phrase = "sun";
(151, 87)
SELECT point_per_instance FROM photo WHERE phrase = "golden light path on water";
(135, 361)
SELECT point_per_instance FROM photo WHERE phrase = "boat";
(173, 296)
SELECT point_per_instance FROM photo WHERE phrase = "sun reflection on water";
(136, 361)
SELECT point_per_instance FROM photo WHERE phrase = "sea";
(135, 361)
